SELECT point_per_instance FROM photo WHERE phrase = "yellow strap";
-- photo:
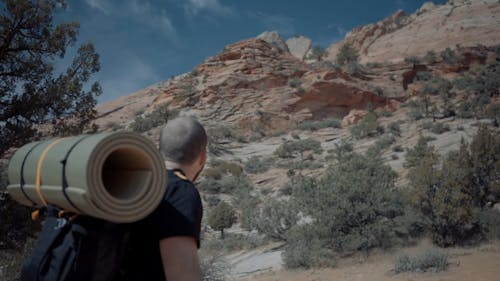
(35, 214)
(180, 175)
(39, 171)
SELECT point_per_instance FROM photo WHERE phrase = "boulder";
(275, 39)
(299, 46)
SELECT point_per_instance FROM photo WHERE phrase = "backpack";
(76, 247)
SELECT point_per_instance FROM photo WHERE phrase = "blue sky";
(142, 42)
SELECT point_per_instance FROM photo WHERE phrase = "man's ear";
(203, 157)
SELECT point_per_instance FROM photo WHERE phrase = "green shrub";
(213, 267)
(255, 165)
(449, 56)
(397, 148)
(490, 223)
(232, 242)
(300, 165)
(291, 148)
(430, 57)
(17, 225)
(228, 184)
(439, 128)
(394, 128)
(493, 112)
(424, 76)
(320, 124)
(221, 217)
(367, 127)
(354, 68)
(219, 168)
(353, 207)
(412, 60)
(159, 116)
(276, 218)
(218, 138)
(347, 55)
(305, 250)
(431, 260)
(294, 82)
(452, 194)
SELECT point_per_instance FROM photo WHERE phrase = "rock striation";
(432, 27)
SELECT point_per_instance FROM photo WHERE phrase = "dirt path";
(478, 264)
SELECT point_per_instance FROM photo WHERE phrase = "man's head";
(183, 140)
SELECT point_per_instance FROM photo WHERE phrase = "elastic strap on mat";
(39, 170)
(64, 180)
(23, 182)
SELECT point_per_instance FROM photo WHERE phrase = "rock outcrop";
(299, 46)
(432, 27)
(275, 39)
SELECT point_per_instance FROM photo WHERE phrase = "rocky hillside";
(459, 23)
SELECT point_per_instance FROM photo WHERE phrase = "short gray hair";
(182, 140)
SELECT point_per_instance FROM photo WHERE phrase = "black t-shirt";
(179, 214)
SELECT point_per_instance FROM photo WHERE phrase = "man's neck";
(188, 170)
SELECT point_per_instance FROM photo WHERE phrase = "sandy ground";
(475, 264)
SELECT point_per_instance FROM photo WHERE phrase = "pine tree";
(30, 92)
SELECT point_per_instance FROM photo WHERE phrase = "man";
(164, 245)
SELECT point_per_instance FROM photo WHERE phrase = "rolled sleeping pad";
(119, 177)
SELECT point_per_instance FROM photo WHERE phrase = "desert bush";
(353, 207)
(218, 138)
(424, 76)
(305, 249)
(256, 165)
(397, 148)
(221, 217)
(276, 218)
(449, 56)
(385, 113)
(318, 53)
(452, 194)
(394, 128)
(248, 202)
(412, 60)
(431, 260)
(353, 68)
(493, 112)
(233, 242)
(418, 152)
(430, 57)
(213, 267)
(347, 54)
(294, 82)
(300, 165)
(439, 128)
(489, 219)
(367, 127)
(291, 148)
(228, 184)
(219, 168)
(159, 116)
(17, 225)
(319, 124)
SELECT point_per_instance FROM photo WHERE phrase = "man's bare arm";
(179, 255)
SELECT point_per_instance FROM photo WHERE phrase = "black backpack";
(76, 247)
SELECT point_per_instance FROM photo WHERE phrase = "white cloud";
(193, 7)
(101, 5)
(146, 14)
(141, 11)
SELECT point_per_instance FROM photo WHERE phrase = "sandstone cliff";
(432, 27)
